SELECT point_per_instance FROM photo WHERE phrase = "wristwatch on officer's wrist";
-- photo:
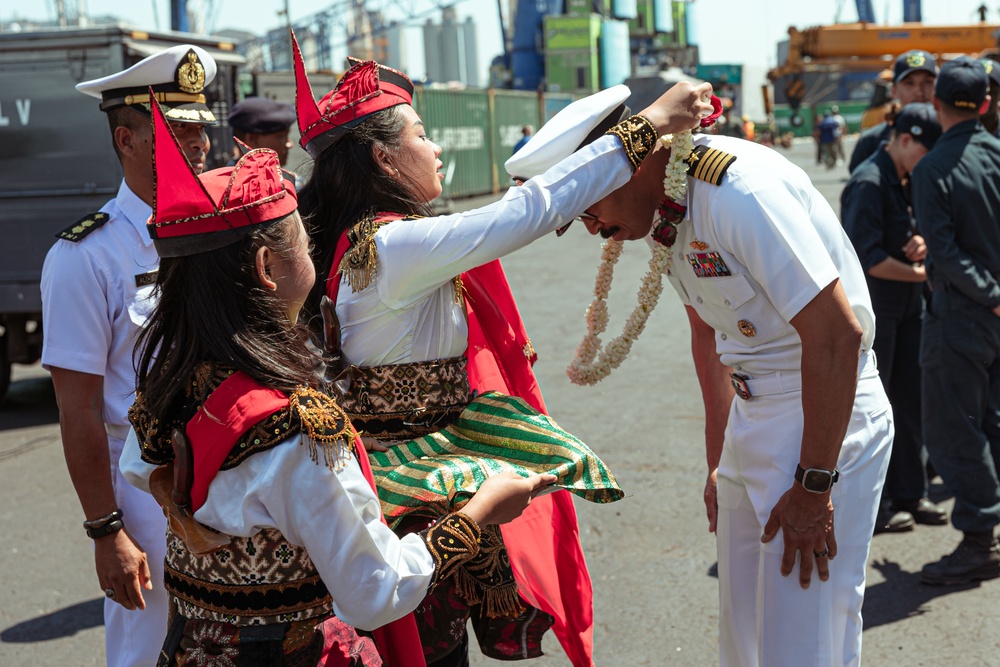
(816, 480)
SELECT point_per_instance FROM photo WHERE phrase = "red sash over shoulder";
(231, 410)
(544, 542)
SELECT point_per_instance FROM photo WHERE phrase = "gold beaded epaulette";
(79, 229)
(360, 262)
(709, 164)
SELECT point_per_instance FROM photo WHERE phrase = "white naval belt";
(782, 382)
(768, 384)
(119, 431)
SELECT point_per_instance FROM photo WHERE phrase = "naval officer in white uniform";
(797, 422)
(97, 283)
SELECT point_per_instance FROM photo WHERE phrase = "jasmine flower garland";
(591, 363)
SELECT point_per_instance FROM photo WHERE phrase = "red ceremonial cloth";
(235, 406)
(544, 542)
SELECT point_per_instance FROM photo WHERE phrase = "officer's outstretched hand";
(681, 108)
(806, 522)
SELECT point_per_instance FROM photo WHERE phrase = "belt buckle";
(739, 383)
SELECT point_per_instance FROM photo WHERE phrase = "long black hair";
(347, 183)
(213, 309)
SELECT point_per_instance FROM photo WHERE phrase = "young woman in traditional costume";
(276, 546)
(427, 321)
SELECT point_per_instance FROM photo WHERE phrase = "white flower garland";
(591, 363)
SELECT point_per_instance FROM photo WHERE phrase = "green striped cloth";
(494, 433)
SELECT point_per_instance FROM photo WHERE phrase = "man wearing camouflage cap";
(97, 285)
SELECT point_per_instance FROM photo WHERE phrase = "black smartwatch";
(816, 480)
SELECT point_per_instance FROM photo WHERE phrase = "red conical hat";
(193, 214)
(365, 88)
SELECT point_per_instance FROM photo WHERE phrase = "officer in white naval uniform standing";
(96, 294)
(797, 421)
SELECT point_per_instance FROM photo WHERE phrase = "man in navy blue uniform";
(991, 119)
(957, 206)
(875, 210)
(912, 81)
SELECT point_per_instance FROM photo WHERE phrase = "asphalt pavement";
(650, 555)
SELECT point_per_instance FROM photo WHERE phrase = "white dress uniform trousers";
(752, 253)
(767, 620)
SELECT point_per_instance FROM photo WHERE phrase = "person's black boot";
(977, 558)
(890, 520)
(924, 511)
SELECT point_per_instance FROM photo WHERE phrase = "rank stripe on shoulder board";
(148, 278)
(83, 226)
(710, 164)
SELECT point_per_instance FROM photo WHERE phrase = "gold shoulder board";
(709, 164)
(79, 229)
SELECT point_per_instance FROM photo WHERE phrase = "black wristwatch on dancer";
(816, 480)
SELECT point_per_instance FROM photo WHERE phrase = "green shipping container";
(572, 32)
(851, 111)
(679, 13)
(459, 122)
(722, 73)
(585, 7)
(512, 110)
(553, 103)
(642, 24)
(572, 71)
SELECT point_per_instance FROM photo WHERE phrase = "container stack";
(590, 46)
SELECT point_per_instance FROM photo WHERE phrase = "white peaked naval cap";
(178, 77)
(571, 129)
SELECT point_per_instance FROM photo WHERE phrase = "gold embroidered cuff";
(452, 542)
(638, 136)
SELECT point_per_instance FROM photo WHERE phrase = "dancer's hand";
(681, 108)
(373, 445)
(504, 496)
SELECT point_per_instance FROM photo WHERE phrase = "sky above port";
(727, 31)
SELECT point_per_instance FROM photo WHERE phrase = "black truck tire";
(4, 367)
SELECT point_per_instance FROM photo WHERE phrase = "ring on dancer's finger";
(110, 593)
(821, 554)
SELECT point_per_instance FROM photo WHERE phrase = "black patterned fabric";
(406, 401)
(256, 580)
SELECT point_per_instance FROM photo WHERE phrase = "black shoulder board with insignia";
(709, 164)
(83, 226)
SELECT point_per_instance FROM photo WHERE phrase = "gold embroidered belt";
(406, 401)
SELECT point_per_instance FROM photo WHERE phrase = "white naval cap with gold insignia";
(178, 77)
(575, 126)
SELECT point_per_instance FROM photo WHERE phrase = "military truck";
(57, 162)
